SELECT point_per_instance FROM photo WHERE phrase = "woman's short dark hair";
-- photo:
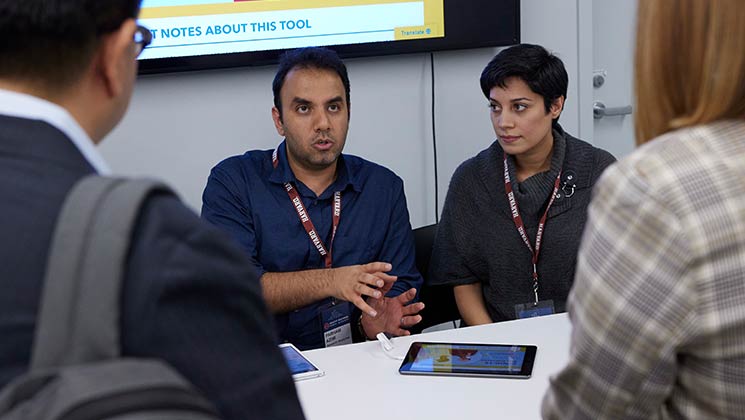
(52, 41)
(308, 58)
(542, 71)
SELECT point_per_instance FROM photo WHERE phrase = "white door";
(613, 31)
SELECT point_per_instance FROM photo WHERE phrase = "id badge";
(335, 324)
(532, 309)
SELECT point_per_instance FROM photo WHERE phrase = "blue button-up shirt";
(245, 196)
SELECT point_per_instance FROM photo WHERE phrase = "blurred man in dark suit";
(67, 70)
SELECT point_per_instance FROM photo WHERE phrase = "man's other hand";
(394, 314)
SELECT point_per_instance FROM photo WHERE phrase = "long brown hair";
(690, 64)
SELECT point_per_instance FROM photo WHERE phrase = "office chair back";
(439, 301)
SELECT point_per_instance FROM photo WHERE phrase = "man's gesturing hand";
(353, 282)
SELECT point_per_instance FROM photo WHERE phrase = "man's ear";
(278, 121)
(556, 107)
(115, 56)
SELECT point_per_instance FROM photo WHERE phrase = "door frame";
(585, 69)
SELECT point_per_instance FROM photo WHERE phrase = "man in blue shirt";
(329, 232)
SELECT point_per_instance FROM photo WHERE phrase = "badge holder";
(335, 323)
(534, 309)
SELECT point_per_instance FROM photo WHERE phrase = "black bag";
(77, 372)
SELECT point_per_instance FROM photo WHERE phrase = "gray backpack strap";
(79, 313)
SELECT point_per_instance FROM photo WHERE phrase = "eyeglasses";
(143, 37)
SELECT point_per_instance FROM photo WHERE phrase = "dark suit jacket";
(189, 296)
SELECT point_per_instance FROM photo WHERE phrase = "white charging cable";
(387, 346)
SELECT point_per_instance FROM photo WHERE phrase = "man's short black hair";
(52, 41)
(542, 71)
(308, 58)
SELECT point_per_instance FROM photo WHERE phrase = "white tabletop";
(362, 383)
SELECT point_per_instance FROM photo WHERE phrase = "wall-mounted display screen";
(199, 34)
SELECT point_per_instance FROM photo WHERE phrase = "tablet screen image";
(300, 367)
(463, 359)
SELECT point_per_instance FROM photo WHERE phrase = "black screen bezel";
(465, 27)
(526, 369)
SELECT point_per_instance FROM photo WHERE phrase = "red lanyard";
(302, 213)
(521, 226)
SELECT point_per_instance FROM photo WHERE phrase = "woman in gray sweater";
(514, 213)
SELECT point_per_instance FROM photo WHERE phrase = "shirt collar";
(21, 105)
(282, 173)
(345, 177)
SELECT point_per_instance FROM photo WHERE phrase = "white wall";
(180, 125)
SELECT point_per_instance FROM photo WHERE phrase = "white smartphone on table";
(300, 367)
